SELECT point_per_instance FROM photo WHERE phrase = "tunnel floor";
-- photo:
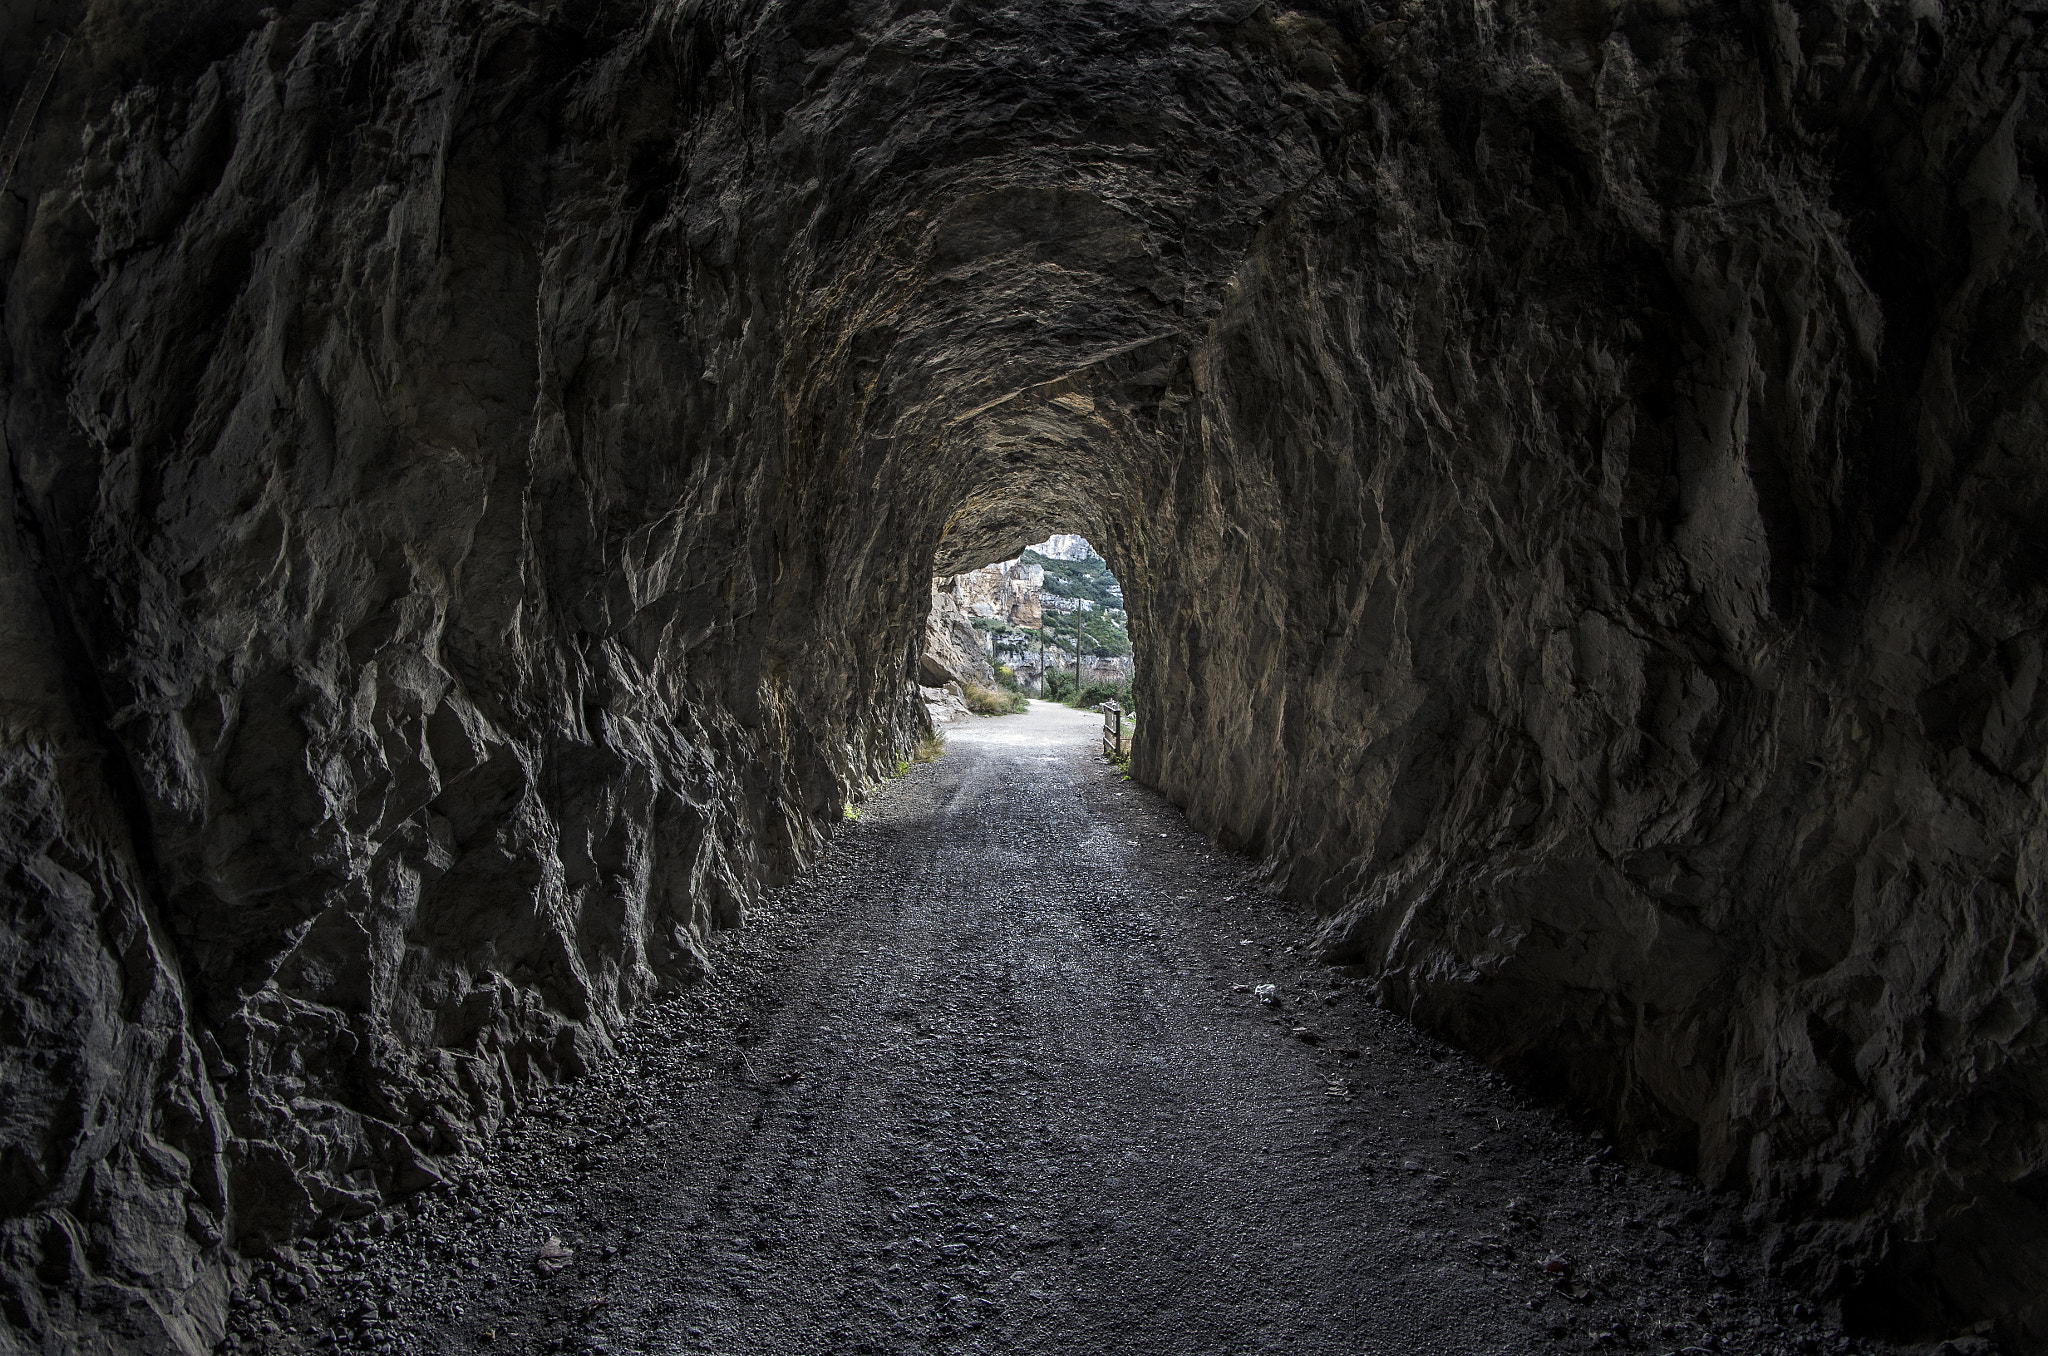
(996, 1078)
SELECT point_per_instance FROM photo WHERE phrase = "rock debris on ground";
(1028, 1066)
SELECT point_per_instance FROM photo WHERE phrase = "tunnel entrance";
(1050, 622)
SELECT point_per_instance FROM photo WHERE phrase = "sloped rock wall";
(1637, 436)
(423, 708)
(477, 471)
(952, 650)
(1008, 591)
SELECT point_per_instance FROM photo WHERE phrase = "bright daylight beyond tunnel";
(1164, 676)
(1048, 623)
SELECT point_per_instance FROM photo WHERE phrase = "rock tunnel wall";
(418, 538)
(1636, 633)
(475, 472)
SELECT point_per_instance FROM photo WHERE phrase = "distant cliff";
(953, 650)
(1007, 591)
(1065, 546)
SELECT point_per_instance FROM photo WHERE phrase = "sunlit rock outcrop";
(952, 650)
(476, 476)
(1007, 591)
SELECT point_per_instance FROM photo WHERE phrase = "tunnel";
(476, 474)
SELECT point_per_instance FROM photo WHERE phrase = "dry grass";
(989, 701)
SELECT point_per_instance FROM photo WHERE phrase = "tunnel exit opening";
(1054, 611)
(1048, 623)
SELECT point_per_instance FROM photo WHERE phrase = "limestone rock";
(1065, 546)
(1009, 591)
(952, 647)
(944, 704)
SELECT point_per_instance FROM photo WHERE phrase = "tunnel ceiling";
(476, 474)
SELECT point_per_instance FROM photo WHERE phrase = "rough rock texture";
(1638, 426)
(1065, 546)
(944, 704)
(420, 696)
(475, 474)
(1009, 590)
(952, 651)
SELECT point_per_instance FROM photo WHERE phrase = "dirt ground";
(999, 1076)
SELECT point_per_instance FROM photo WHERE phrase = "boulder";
(953, 650)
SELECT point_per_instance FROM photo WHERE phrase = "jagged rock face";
(476, 475)
(952, 650)
(1065, 546)
(1637, 433)
(1007, 591)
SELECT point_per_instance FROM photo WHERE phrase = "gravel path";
(997, 1078)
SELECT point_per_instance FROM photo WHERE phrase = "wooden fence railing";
(1112, 729)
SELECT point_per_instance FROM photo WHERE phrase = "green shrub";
(1089, 697)
(1059, 685)
(1006, 679)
